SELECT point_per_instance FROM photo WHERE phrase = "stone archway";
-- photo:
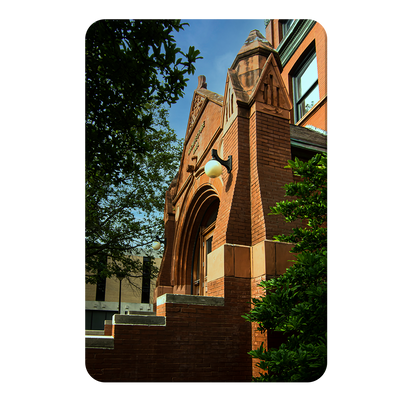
(202, 246)
(201, 217)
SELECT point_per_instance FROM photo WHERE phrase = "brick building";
(302, 47)
(219, 236)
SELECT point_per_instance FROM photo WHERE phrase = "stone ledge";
(190, 299)
(94, 332)
(126, 319)
(99, 342)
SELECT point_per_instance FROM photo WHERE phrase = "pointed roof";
(256, 43)
(255, 39)
(237, 87)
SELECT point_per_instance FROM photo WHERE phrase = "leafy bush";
(295, 303)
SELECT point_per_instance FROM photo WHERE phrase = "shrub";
(295, 303)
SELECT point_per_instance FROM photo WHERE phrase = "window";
(101, 282)
(208, 248)
(101, 289)
(203, 249)
(285, 25)
(305, 87)
(146, 280)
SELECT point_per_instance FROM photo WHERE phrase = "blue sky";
(219, 41)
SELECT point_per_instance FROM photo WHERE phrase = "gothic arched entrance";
(202, 247)
(196, 241)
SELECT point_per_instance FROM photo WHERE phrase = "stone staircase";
(97, 339)
(128, 319)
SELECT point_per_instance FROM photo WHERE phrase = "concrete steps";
(99, 342)
(94, 332)
(134, 319)
(142, 313)
(95, 339)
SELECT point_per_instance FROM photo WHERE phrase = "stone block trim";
(99, 342)
(121, 319)
(189, 299)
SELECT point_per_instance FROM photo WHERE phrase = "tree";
(296, 302)
(129, 65)
(132, 75)
(122, 219)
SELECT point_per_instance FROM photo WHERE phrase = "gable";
(270, 91)
(195, 110)
(233, 94)
(229, 110)
(203, 127)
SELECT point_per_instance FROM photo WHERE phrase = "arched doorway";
(203, 247)
(194, 242)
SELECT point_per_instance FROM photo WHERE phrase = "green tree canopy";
(134, 71)
(129, 65)
(122, 219)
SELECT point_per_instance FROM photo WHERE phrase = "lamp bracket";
(226, 163)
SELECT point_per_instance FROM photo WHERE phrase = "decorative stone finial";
(202, 82)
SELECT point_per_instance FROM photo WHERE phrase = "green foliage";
(310, 204)
(305, 363)
(133, 71)
(295, 303)
(122, 219)
(129, 65)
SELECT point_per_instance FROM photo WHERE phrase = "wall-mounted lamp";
(213, 168)
(156, 245)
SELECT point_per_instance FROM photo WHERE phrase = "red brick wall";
(234, 218)
(239, 223)
(215, 288)
(198, 344)
(223, 213)
(260, 149)
(161, 310)
(269, 153)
